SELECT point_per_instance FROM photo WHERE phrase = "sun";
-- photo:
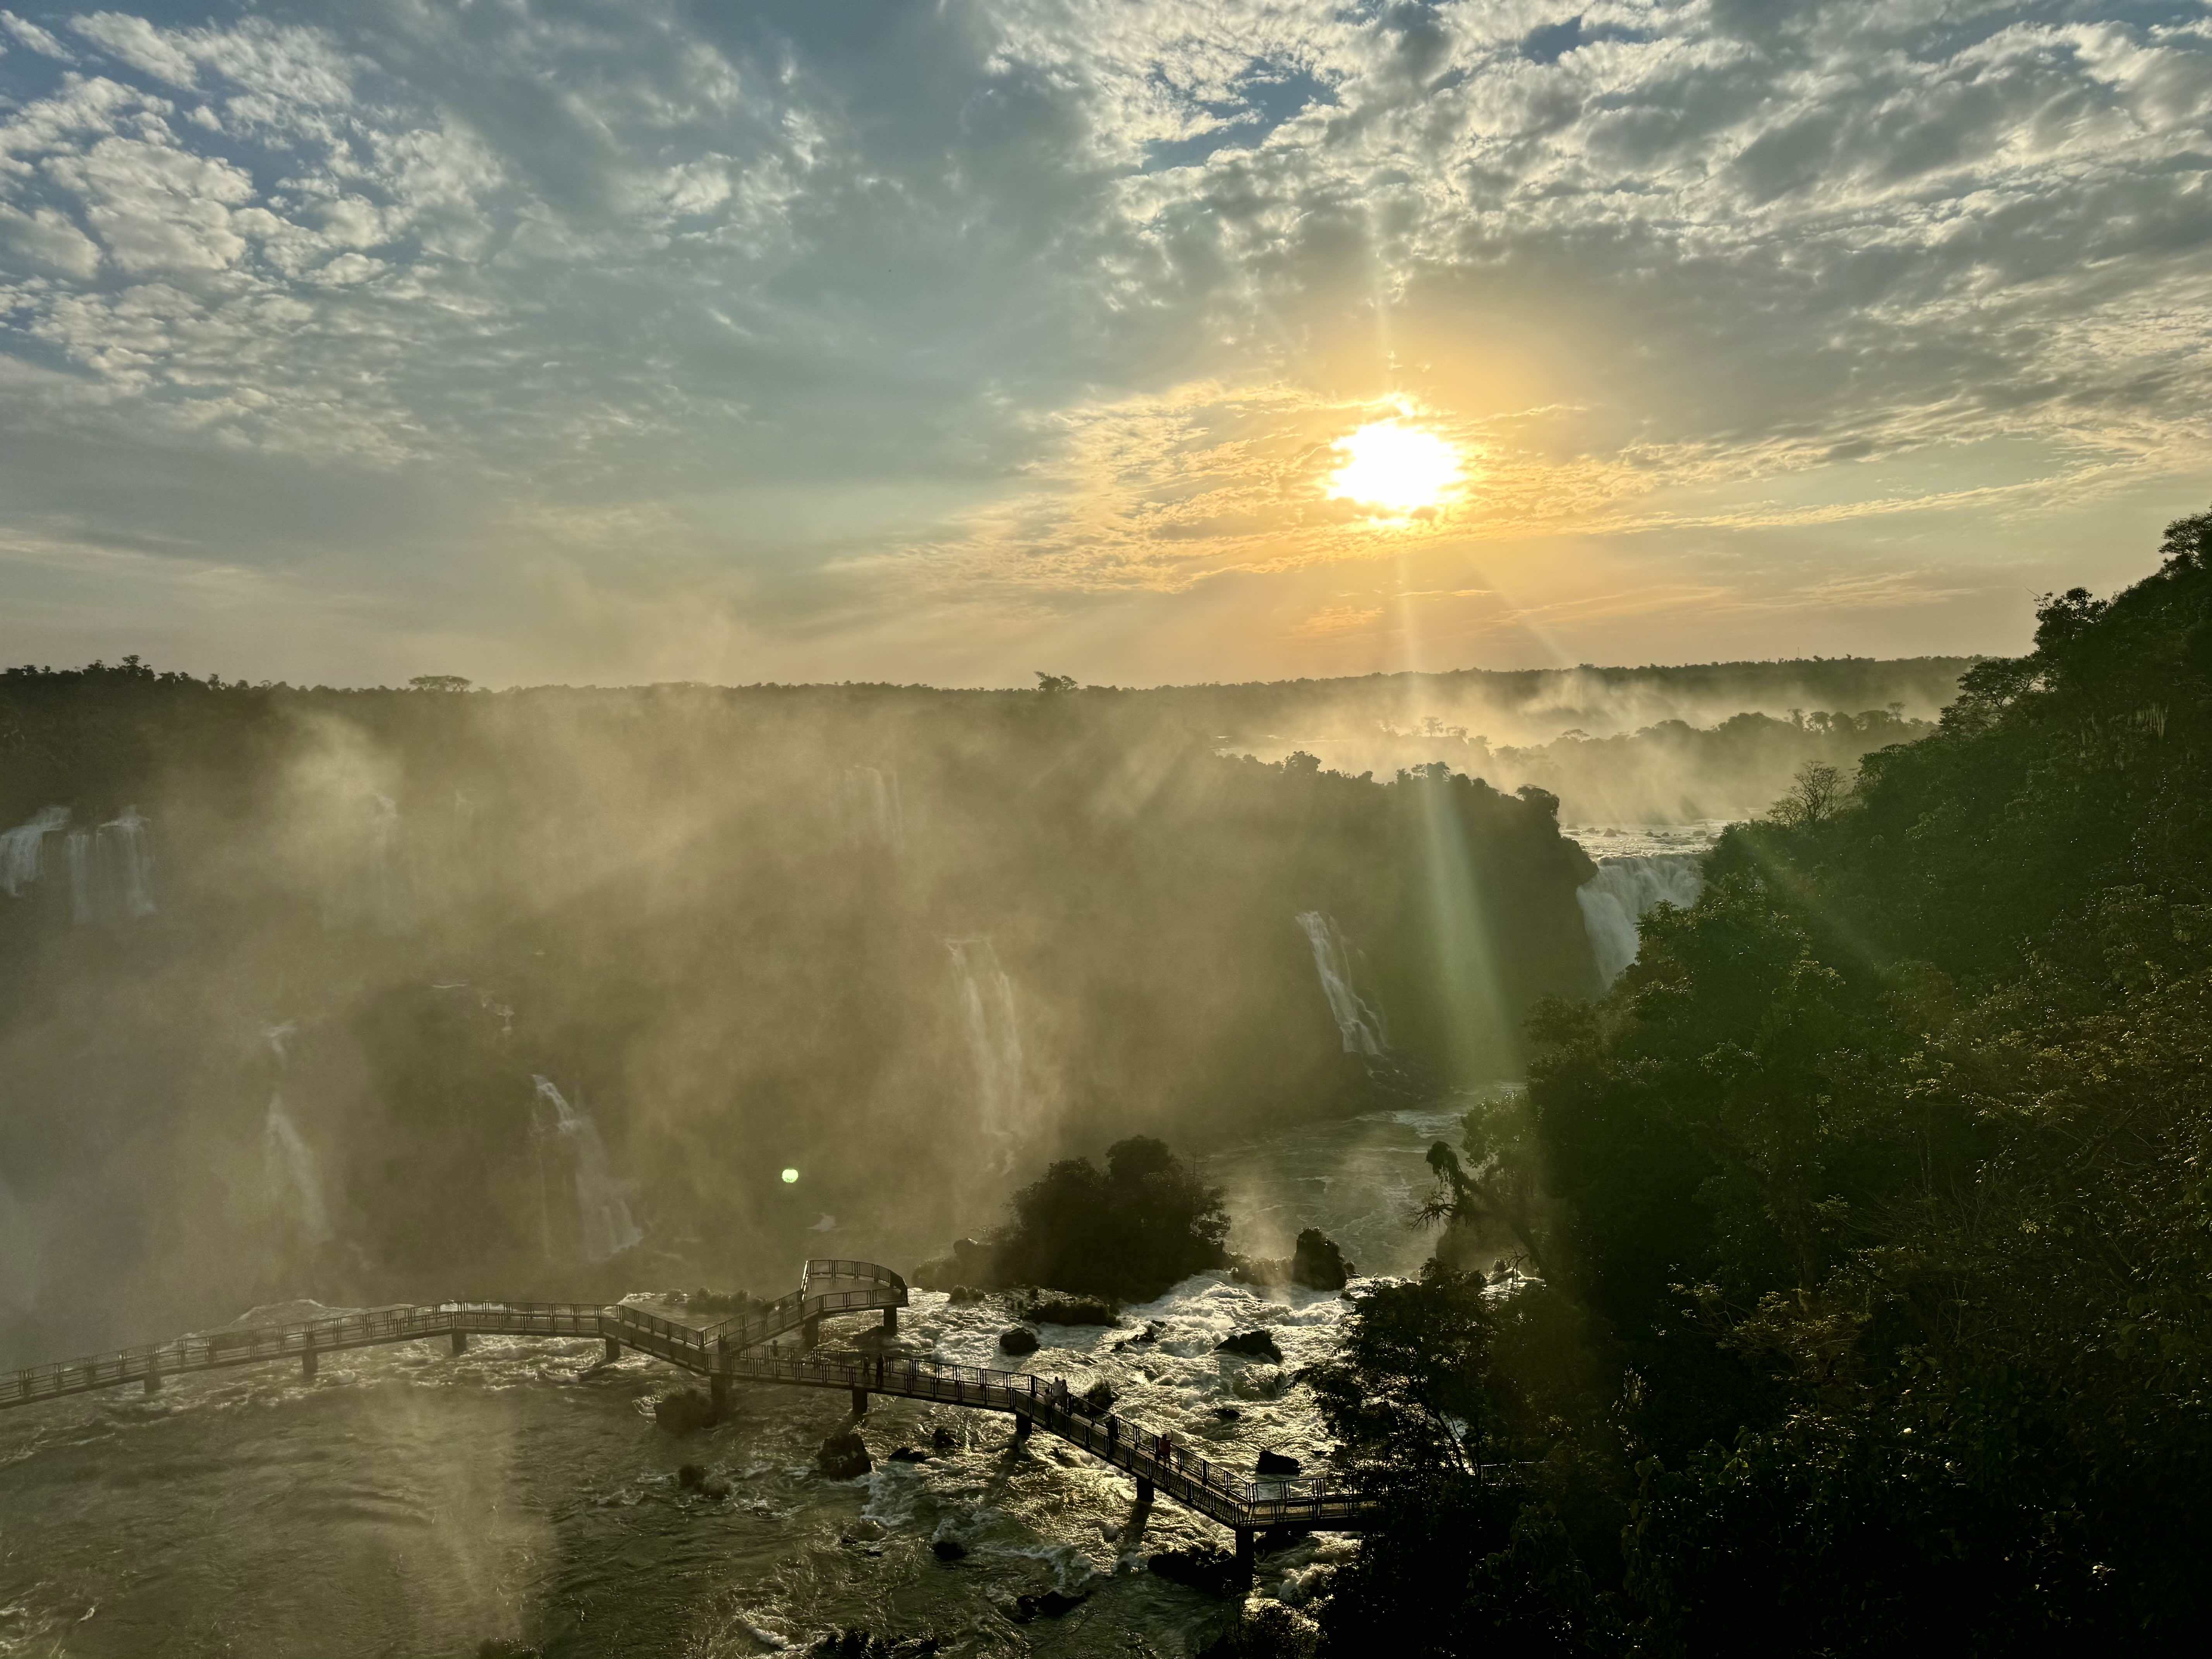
(1399, 469)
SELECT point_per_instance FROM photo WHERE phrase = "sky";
(560, 341)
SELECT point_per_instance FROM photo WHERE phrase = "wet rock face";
(685, 1412)
(843, 1456)
(1252, 1345)
(1317, 1263)
(908, 1454)
(1276, 1463)
(1206, 1567)
(1018, 1340)
(1049, 1604)
(950, 1549)
(944, 1440)
(693, 1478)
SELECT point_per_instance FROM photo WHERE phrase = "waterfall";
(873, 814)
(79, 847)
(123, 855)
(604, 1226)
(22, 849)
(294, 1185)
(994, 1040)
(1627, 889)
(1360, 1025)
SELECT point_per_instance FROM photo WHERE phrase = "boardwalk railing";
(1231, 1497)
(830, 1286)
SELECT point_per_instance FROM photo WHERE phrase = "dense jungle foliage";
(1874, 1214)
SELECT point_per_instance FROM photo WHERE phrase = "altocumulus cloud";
(655, 338)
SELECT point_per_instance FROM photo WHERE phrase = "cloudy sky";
(924, 339)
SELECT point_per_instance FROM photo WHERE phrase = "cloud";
(1029, 302)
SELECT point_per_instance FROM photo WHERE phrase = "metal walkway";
(729, 1353)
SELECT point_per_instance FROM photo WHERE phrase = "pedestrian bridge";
(750, 1348)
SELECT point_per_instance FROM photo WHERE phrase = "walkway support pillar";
(810, 1334)
(1244, 1557)
(614, 1352)
(890, 1321)
(152, 1376)
(1021, 1428)
(717, 1390)
(307, 1361)
(460, 1343)
(859, 1402)
(1144, 1490)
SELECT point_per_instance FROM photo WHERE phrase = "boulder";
(1317, 1263)
(961, 1295)
(1098, 1398)
(968, 1263)
(1276, 1463)
(1049, 1604)
(685, 1412)
(942, 1439)
(1017, 1339)
(1227, 1413)
(1252, 1345)
(948, 1549)
(1053, 1309)
(1206, 1567)
(691, 1477)
(843, 1456)
(908, 1454)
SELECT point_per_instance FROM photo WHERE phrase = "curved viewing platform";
(729, 1353)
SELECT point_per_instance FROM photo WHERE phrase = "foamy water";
(408, 1502)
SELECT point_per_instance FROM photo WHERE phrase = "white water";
(1359, 1024)
(1624, 891)
(20, 849)
(874, 811)
(295, 1184)
(994, 1043)
(124, 855)
(604, 1227)
(79, 846)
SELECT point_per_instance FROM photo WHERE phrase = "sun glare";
(1398, 469)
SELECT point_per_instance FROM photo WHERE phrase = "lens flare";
(1396, 468)
(789, 1176)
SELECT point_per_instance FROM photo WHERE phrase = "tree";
(1053, 685)
(438, 682)
(1815, 794)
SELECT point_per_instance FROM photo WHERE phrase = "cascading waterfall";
(294, 1185)
(123, 854)
(994, 1041)
(873, 813)
(79, 850)
(1358, 1023)
(1624, 890)
(22, 849)
(603, 1225)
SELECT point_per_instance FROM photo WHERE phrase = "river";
(408, 1503)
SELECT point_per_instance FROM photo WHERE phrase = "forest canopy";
(1874, 1224)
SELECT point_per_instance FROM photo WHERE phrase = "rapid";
(408, 1502)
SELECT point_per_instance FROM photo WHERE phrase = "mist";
(370, 994)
